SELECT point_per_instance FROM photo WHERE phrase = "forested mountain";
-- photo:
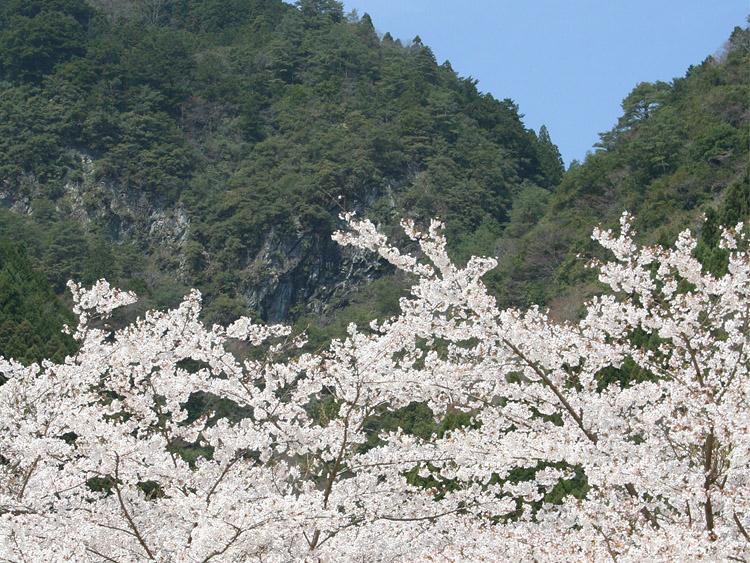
(167, 144)
(678, 152)
(213, 144)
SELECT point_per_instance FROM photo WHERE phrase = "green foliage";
(148, 154)
(33, 128)
(159, 58)
(258, 117)
(31, 316)
(39, 34)
(734, 209)
(679, 152)
(264, 120)
(550, 160)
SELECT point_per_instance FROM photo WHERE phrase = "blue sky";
(568, 64)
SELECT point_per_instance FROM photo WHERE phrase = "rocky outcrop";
(304, 274)
(292, 274)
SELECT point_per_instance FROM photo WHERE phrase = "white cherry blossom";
(126, 451)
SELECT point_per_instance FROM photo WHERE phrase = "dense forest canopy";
(166, 144)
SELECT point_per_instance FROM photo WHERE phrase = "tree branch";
(125, 512)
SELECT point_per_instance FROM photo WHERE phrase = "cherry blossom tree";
(622, 436)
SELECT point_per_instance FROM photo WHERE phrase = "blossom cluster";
(640, 407)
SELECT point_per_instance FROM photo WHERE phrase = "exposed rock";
(291, 274)
(303, 275)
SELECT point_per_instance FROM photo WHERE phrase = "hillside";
(679, 152)
(214, 145)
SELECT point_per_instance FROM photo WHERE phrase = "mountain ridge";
(244, 136)
(166, 145)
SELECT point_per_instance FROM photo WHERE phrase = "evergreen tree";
(550, 160)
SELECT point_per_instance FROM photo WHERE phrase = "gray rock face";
(291, 274)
